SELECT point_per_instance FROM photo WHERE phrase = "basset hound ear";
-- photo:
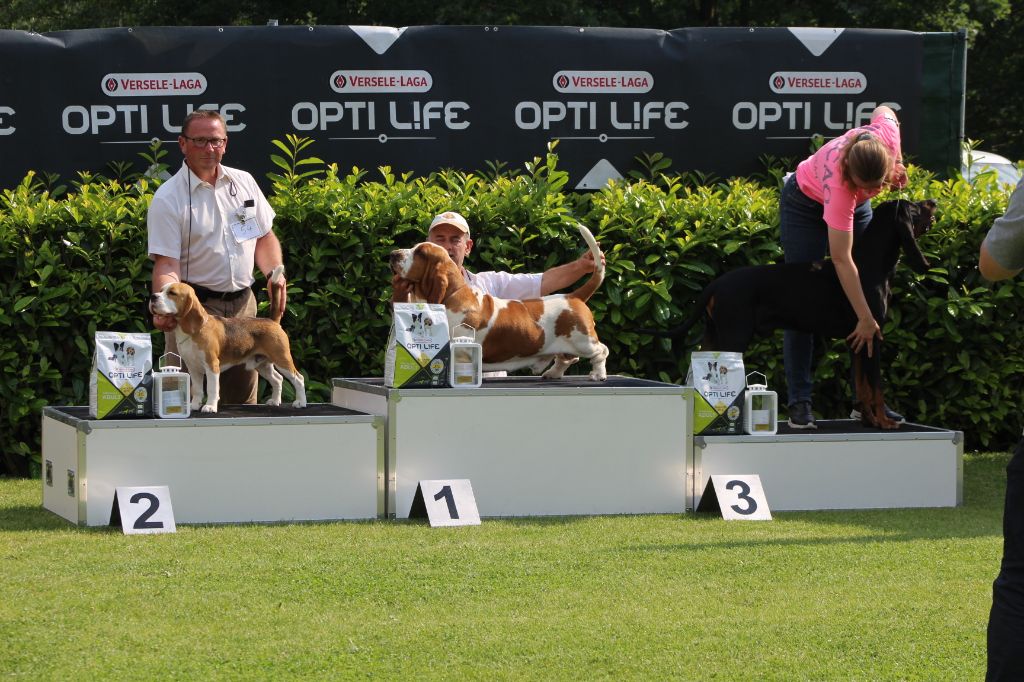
(905, 229)
(434, 284)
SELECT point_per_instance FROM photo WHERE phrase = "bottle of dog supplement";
(466, 367)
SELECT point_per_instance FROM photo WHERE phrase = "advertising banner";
(716, 100)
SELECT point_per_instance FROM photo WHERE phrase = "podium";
(535, 447)
(245, 463)
(840, 465)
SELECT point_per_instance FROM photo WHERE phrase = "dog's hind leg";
(298, 383)
(598, 360)
(268, 372)
(868, 386)
(540, 365)
(562, 362)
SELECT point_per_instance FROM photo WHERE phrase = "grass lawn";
(877, 595)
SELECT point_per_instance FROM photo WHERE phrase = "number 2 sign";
(143, 510)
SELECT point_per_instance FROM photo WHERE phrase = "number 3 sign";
(739, 498)
(143, 510)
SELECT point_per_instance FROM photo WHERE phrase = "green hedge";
(74, 262)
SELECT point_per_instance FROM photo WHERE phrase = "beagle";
(210, 344)
(512, 334)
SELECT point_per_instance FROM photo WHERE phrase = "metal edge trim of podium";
(89, 424)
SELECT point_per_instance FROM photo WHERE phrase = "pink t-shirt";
(820, 179)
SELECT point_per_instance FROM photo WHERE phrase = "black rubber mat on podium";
(850, 426)
(532, 382)
(236, 411)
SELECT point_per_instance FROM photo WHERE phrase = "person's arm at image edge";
(990, 268)
(1003, 246)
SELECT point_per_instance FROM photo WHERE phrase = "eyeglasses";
(201, 142)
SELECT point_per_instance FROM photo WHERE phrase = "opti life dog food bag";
(418, 350)
(121, 379)
(719, 383)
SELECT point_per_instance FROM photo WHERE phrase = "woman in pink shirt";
(821, 208)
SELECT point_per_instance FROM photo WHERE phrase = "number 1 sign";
(446, 503)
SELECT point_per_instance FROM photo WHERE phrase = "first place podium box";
(533, 447)
(246, 463)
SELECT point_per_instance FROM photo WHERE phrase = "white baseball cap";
(450, 218)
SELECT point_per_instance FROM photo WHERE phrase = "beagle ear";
(191, 314)
(905, 229)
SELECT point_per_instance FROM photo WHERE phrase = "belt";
(204, 294)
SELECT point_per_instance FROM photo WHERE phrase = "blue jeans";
(804, 237)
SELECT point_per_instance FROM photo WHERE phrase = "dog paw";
(208, 408)
(878, 420)
(299, 404)
(273, 403)
(601, 376)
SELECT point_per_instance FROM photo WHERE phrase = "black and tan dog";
(210, 344)
(808, 297)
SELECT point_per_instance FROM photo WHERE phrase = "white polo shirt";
(192, 220)
(506, 284)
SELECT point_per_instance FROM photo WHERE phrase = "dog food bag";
(121, 379)
(719, 382)
(418, 352)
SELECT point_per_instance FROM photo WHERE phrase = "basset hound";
(512, 334)
(210, 344)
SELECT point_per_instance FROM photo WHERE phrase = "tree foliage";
(995, 100)
(925, 15)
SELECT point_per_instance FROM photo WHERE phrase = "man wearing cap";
(451, 231)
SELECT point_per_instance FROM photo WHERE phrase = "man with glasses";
(208, 226)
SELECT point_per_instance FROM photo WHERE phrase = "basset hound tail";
(588, 288)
